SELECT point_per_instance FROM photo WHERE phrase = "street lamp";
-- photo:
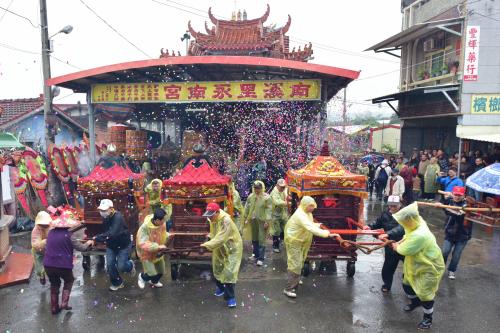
(66, 30)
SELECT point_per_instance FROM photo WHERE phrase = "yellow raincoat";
(257, 212)
(423, 265)
(154, 198)
(279, 213)
(299, 231)
(227, 248)
(149, 238)
(237, 204)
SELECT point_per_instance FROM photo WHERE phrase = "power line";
(13, 48)
(63, 97)
(65, 62)
(18, 49)
(485, 16)
(116, 31)
(19, 15)
(5, 12)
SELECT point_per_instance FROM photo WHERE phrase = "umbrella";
(372, 159)
(486, 180)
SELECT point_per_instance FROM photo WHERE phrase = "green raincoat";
(154, 198)
(299, 232)
(257, 212)
(430, 183)
(423, 265)
(227, 248)
(279, 213)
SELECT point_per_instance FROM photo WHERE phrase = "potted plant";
(444, 70)
(420, 74)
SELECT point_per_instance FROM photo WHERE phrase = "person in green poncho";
(227, 249)
(431, 186)
(154, 197)
(257, 216)
(299, 232)
(423, 264)
(279, 213)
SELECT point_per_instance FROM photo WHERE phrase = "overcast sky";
(339, 31)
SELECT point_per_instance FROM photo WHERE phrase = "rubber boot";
(276, 243)
(65, 297)
(54, 300)
(426, 323)
(415, 303)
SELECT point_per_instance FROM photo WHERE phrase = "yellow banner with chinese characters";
(189, 92)
(485, 104)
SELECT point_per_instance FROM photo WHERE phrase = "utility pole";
(47, 92)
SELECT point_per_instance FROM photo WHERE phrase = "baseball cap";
(281, 182)
(458, 190)
(212, 209)
(105, 204)
(393, 200)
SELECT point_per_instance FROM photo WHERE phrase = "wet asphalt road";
(328, 301)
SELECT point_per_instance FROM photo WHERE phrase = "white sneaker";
(451, 275)
(115, 288)
(290, 294)
(156, 285)
(140, 282)
(301, 282)
(252, 258)
(259, 263)
(133, 271)
(276, 250)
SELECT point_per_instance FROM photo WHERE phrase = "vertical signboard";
(471, 53)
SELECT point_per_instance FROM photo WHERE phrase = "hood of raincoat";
(261, 183)
(306, 201)
(409, 217)
(150, 185)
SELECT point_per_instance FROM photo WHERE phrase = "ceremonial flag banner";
(188, 92)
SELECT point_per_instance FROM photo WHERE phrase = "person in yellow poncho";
(299, 232)
(257, 216)
(423, 264)
(154, 197)
(227, 248)
(237, 204)
(279, 215)
(38, 242)
(152, 237)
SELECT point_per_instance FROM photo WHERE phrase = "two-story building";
(446, 86)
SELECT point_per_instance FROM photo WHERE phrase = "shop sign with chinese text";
(485, 104)
(471, 53)
(224, 91)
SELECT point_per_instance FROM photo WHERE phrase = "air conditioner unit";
(429, 45)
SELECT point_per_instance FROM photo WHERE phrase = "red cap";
(212, 208)
(458, 190)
